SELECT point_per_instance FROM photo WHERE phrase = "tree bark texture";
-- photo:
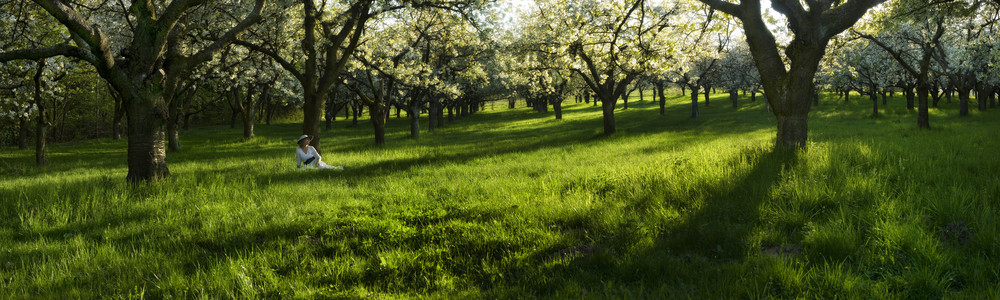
(608, 109)
(415, 118)
(557, 107)
(378, 113)
(147, 155)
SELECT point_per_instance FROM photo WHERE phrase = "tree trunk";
(431, 117)
(22, 137)
(510, 105)
(268, 104)
(625, 100)
(963, 102)
(641, 97)
(694, 101)
(883, 98)
(608, 107)
(663, 100)
(909, 98)
(451, 114)
(174, 140)
(247, 127)
(415, 118)
(993, 98)
(981, 99)
(557, 107)
(173, 118)
(328, 114)
(586, 97)
(936, 95)
(874, 97)
(378, 115)
(146, 135)
(923, 114)
(753, 96)
(847, 96)
(733, 97)
(793, 130)
(232, 118)
(707, 90)
(42, 116)
(119, 115)
(355, 107)
(41, 129)
(312, 110)
(440, 115)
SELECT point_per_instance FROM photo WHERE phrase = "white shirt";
(301, 156)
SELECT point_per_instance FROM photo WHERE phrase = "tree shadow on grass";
(709, 233)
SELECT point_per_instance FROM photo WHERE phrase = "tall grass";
(515, 204)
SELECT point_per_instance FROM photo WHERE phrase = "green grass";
(514, 204)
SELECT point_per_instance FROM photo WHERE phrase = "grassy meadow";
(514, 204)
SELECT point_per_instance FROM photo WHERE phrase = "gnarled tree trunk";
(147, 155)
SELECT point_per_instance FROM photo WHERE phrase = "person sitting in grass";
(307, 157)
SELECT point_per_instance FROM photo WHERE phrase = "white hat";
(302, 138)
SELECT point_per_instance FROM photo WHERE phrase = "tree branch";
(96, 40)
(726, 7)
(41, 53)
(842, 17)
(208, 52)
(273, 55)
